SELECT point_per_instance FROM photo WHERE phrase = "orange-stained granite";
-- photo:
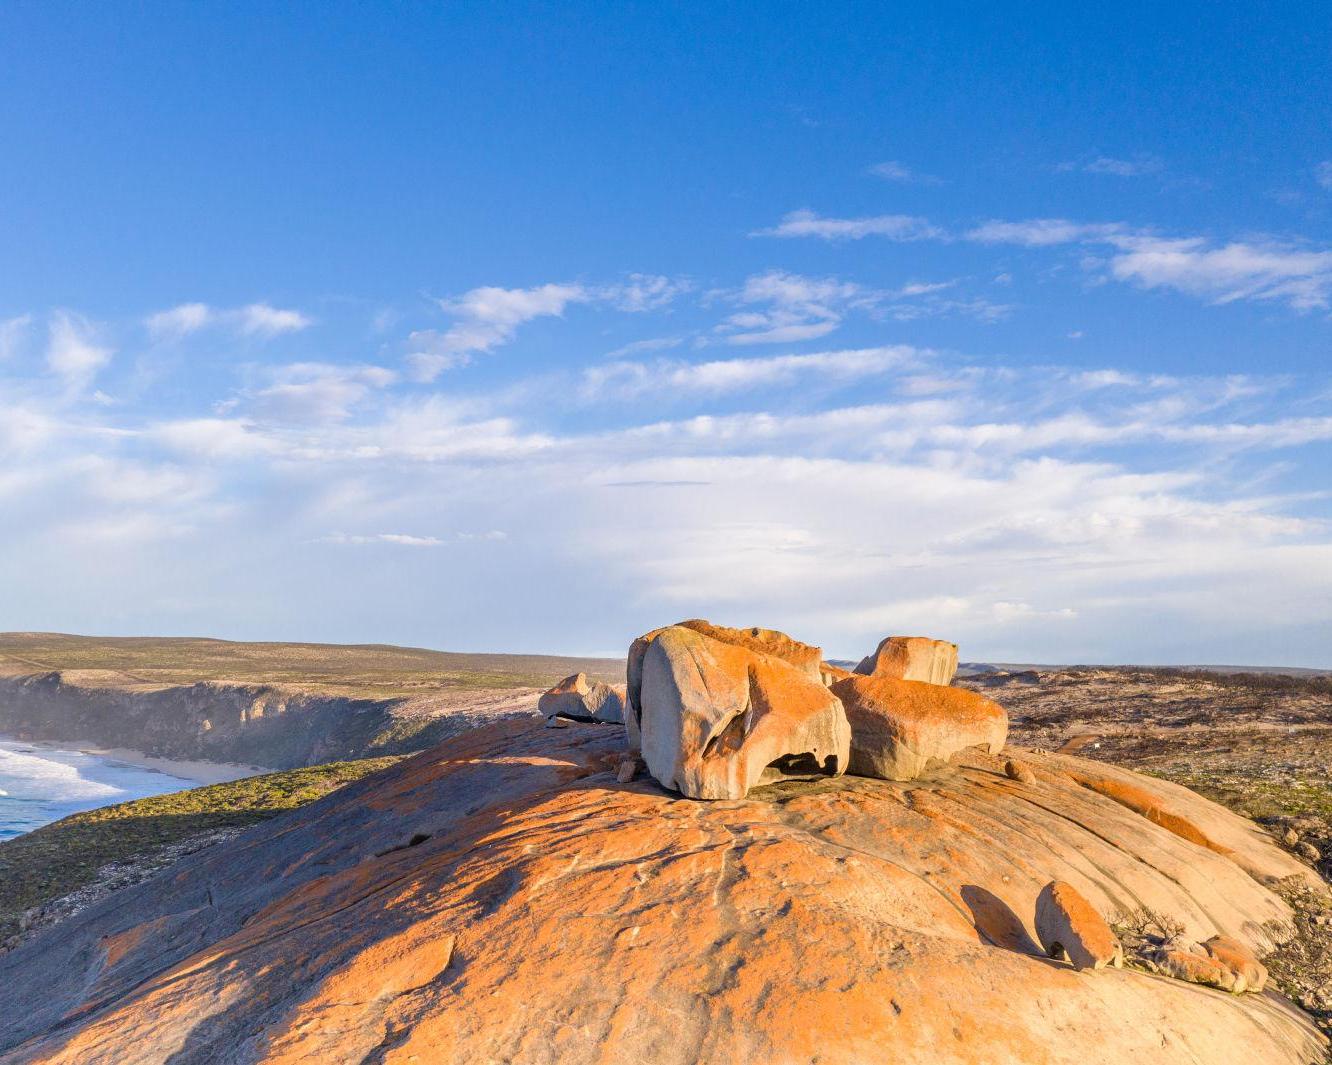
(503, 898)
(899, 726)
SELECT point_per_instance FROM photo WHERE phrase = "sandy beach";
(200, 772)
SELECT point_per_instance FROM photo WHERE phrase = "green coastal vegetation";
(67, 855)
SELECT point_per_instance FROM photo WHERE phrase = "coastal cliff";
(279, 706)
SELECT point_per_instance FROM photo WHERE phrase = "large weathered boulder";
(899, 726)
(803, 656)
(912, 658)
(1069, 926)
(580, 699)
(718, 714)
(549, 915)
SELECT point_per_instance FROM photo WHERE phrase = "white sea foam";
(39, 785)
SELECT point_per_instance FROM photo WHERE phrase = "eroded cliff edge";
(279, 706)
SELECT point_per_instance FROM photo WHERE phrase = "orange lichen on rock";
(803, 656)
(1015, 770)
(1150, 806)
(1196, 968)
(899, 726)
(912, 658)
(1239, 959)
(831, 674)
(717, 716)
(554, 916)
(1068, 925)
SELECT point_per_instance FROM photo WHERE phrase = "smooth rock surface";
(580, 699)
(554, 916)
(912, 658)
(899, 726)
(1068, 926)
(804, 657)
(718, 716)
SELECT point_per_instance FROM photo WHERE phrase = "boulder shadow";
(995, 920)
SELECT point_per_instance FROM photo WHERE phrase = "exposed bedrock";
(504, 898)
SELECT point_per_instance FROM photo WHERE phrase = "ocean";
(40, 784)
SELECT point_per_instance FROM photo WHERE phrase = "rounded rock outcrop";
(898, 727)
(718, 715)
(912, 658)
(578, 699)
(555, 916)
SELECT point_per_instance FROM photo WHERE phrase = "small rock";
(1290, 837)
(1308, 850)
(627, 771)
(556, 722)
(1239, 959)
(1066, 923)
(1196, 969)
(1015, 770)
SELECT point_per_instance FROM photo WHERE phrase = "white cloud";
(799, 308)
(486, 318)
(721, 376)
(1323, 173)
(1240, 270)
(1299, 277)
(806, 223)
(179, 321)
(211, 438)
(12, 332)
(316, 392)
(398, 539)
(645, 292)
(256, 319)
(259, 319)
(892, 170)
(1040, 232)
(1138, 166)
(73, 352)
(637, 347)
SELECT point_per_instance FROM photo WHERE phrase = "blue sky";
(533, 327)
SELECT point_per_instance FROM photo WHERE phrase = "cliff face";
(253, 724)
(503, 897)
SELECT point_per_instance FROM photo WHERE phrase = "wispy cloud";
(404, 539)
(486, 318)
(397, 539)
(644, 292)
(1138, 166)
(259, 319)
(12, 332)
(720, 376)
(74, 351)
(1042, 232)
(255, 319)
(1298, 276)
(891, 170)
(638, 347)
(315, 392)
(806, 223)
(798, 308)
